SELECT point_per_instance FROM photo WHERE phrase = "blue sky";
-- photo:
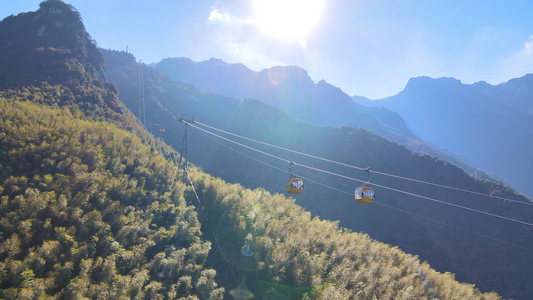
(366, 47)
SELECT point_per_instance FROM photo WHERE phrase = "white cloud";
(518, 64)
(217, 15)
(526, 53)
(528, 47)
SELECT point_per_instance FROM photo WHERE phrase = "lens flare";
(288, 19)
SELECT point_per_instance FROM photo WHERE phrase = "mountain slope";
(292, 248)
(471, 245)
(490, 126)
(51, 45)
(88, 210)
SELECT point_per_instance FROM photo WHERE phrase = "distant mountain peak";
(481, 83)
(428, 85)
(50, 47)
(287, 75)
(48, 39)
(289, 88)
(426, 79)
(465, 118)
(56, 7)
(217, 60)
(57, 18)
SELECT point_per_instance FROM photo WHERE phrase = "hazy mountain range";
(482, 126)
(491, 127)
(289, 89)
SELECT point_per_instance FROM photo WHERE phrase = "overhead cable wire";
(378, 203)
(423, 217)
(274, 167)
(422, 197)
(364, 169)
(211, 228)
(281, 148)
(453, 226)
(242, 153)
(382, 186)
(232, 141)
(454, 205)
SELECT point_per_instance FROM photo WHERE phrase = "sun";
(288, 19)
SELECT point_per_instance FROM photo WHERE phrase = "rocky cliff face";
(36, 46)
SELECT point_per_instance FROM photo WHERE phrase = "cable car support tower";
(142, 107)
(186, 119)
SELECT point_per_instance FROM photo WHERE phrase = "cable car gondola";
(364, 194)
(295, 185)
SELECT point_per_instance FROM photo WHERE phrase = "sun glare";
(288, 19)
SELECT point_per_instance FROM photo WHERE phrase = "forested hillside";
(84, 212)
(472, 245)
(292, 248)
(89, 210)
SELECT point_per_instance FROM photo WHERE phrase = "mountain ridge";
(490, 126)
(292, 90)
(288, 88)
(55, 32)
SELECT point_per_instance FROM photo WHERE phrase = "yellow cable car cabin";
(364, 195)
(295, 185)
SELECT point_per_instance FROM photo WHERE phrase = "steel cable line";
(274, 167)
(455, 205)
(362, 181)
(232, 141)
(281, 148)
(414, 214)
(423, 217)
(453, 226)
(364, 169)
(378, 203)
(211, 228)
(243, 154)
(422, 197)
